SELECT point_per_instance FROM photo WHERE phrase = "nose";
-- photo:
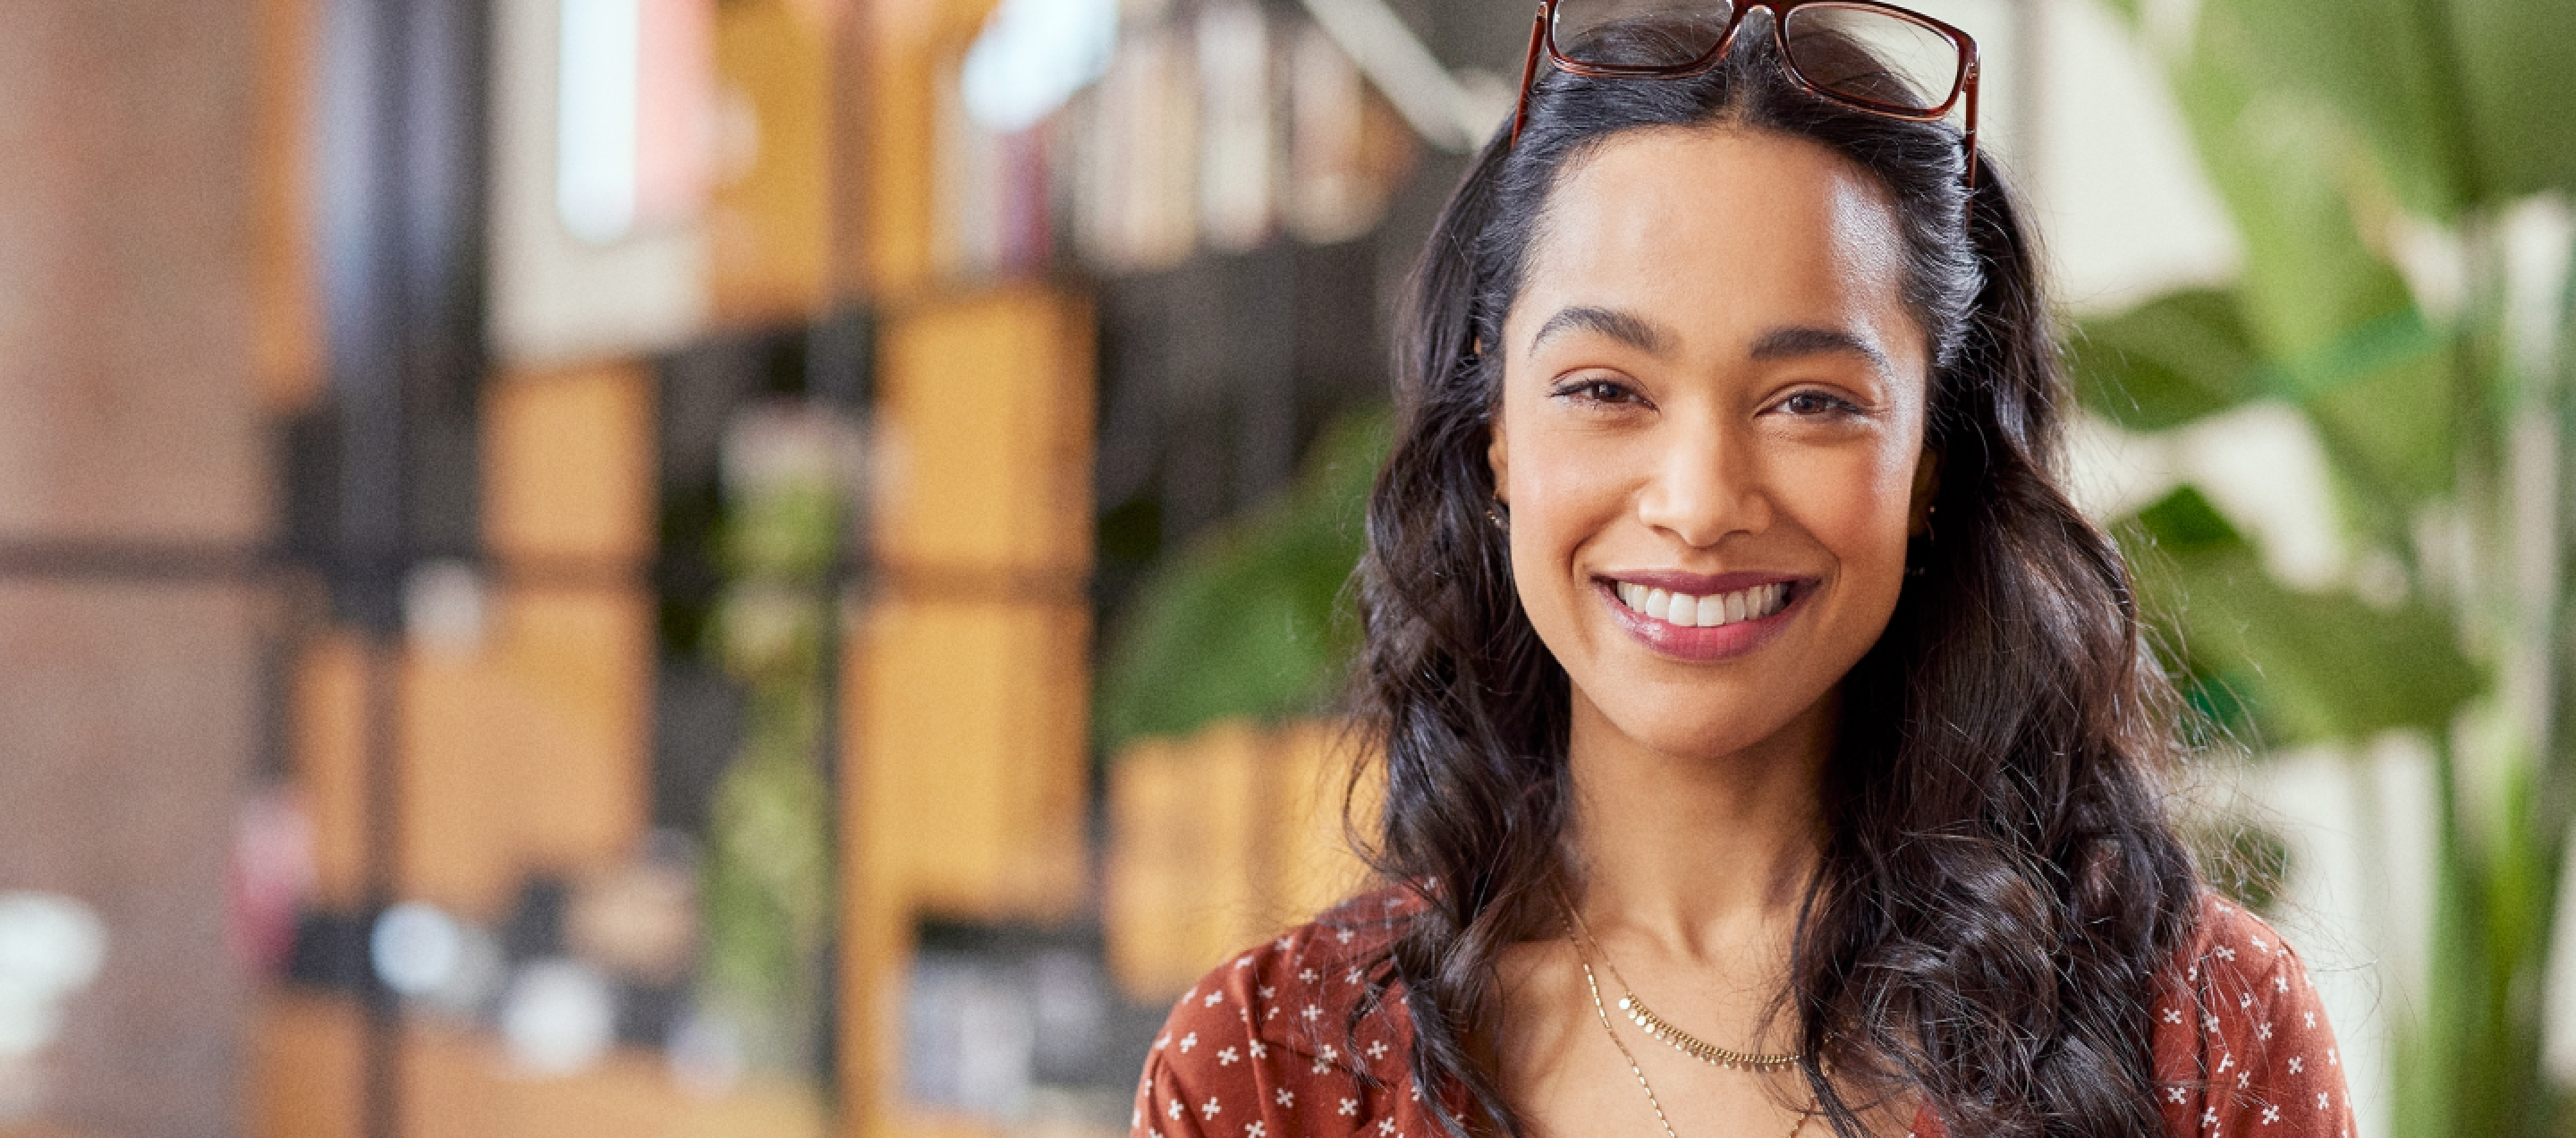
(1704, 485)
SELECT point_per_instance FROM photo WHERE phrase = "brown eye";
(1809, 404)
(1599, 392)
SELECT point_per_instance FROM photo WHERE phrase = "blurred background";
(772, 567)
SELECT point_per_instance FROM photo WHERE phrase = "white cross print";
(1354, 976)
(2321, 1100)
(1283, 942)
(1350, 1106)
(2173, 1015)
(1189, 1041)
(2209, 1117)
(1343, 936)
(2280, 984)
(2263, 1030)
(1377, 1050)
(1310, 975)
(2271, 1114)
(1175, 1109)
(1287, 1097)
(2224, 953)
(1256, 1130)
(2174, 1094)
(2258, 944)
(1311, 1013)
(1213, 997)
(1163, 1042)
(2209, 1023)
(1241, 962)
(2297, 1062)
(2311, 1017)
(1267, 991)
(1258, 1048)
(1386, 1126)
(2244, 1079)
(1227, 1058)
(1209, 1109)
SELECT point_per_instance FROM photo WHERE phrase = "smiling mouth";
(1712, 611)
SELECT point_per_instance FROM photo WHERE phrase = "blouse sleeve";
(1185, 1093)
(1204, 1076)
(2242, 1046)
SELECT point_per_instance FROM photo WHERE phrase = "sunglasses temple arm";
(1529, 70)
(1969, 137)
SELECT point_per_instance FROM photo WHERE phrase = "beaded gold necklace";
(1593, 985)
(1663, 1029)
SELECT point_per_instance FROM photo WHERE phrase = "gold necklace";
(1594, 986)
(1660, 1028)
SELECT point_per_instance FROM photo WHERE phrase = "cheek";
(1859, 506)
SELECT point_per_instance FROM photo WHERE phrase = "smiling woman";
(1729, 641)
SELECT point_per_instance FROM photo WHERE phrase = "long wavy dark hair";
(1999, 889)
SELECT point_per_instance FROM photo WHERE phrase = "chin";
(1690, 725)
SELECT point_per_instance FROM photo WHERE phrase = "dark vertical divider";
(387, 470)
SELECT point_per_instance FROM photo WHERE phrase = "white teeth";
(1686, 611)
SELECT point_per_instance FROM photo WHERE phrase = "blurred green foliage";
(2322, 123)
(1250, 619)
(768, 878)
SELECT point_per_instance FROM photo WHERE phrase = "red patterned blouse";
(1258, 1048)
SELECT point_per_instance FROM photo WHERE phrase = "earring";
(1914, 568)
(1496, 513)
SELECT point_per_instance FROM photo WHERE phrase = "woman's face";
(1711, 432)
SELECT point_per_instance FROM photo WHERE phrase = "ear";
(1927, 486)
(1498, 457)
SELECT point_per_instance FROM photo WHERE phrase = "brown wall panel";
(568, 465)
(985, 414)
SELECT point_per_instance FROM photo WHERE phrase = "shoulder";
(1301, 988)
(1295, 1013)
(2239, 1031)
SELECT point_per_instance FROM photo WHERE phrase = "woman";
(1767, 743)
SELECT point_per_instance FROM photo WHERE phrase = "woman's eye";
(1809, 404)
(1600, 391)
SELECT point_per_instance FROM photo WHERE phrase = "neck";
(1702, 857)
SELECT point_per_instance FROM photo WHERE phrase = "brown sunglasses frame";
(1543, 41)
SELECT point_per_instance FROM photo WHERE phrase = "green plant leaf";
(2521, 100)
(1249, 620)
(2286, 164)
(2388, 67)
(2311, 667)
(2165, 363)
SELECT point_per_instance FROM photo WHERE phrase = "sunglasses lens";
(1670, 32)
(1873, 56)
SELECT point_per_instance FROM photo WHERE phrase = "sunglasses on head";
(1869, 56)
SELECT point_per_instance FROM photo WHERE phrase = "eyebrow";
(1646, 336)
(1791, 343)
(1627, 328)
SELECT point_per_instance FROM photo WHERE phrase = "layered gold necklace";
(1660, 1028)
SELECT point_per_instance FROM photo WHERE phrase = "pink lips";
(1725, 641)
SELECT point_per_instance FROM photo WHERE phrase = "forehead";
(1719, 231)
